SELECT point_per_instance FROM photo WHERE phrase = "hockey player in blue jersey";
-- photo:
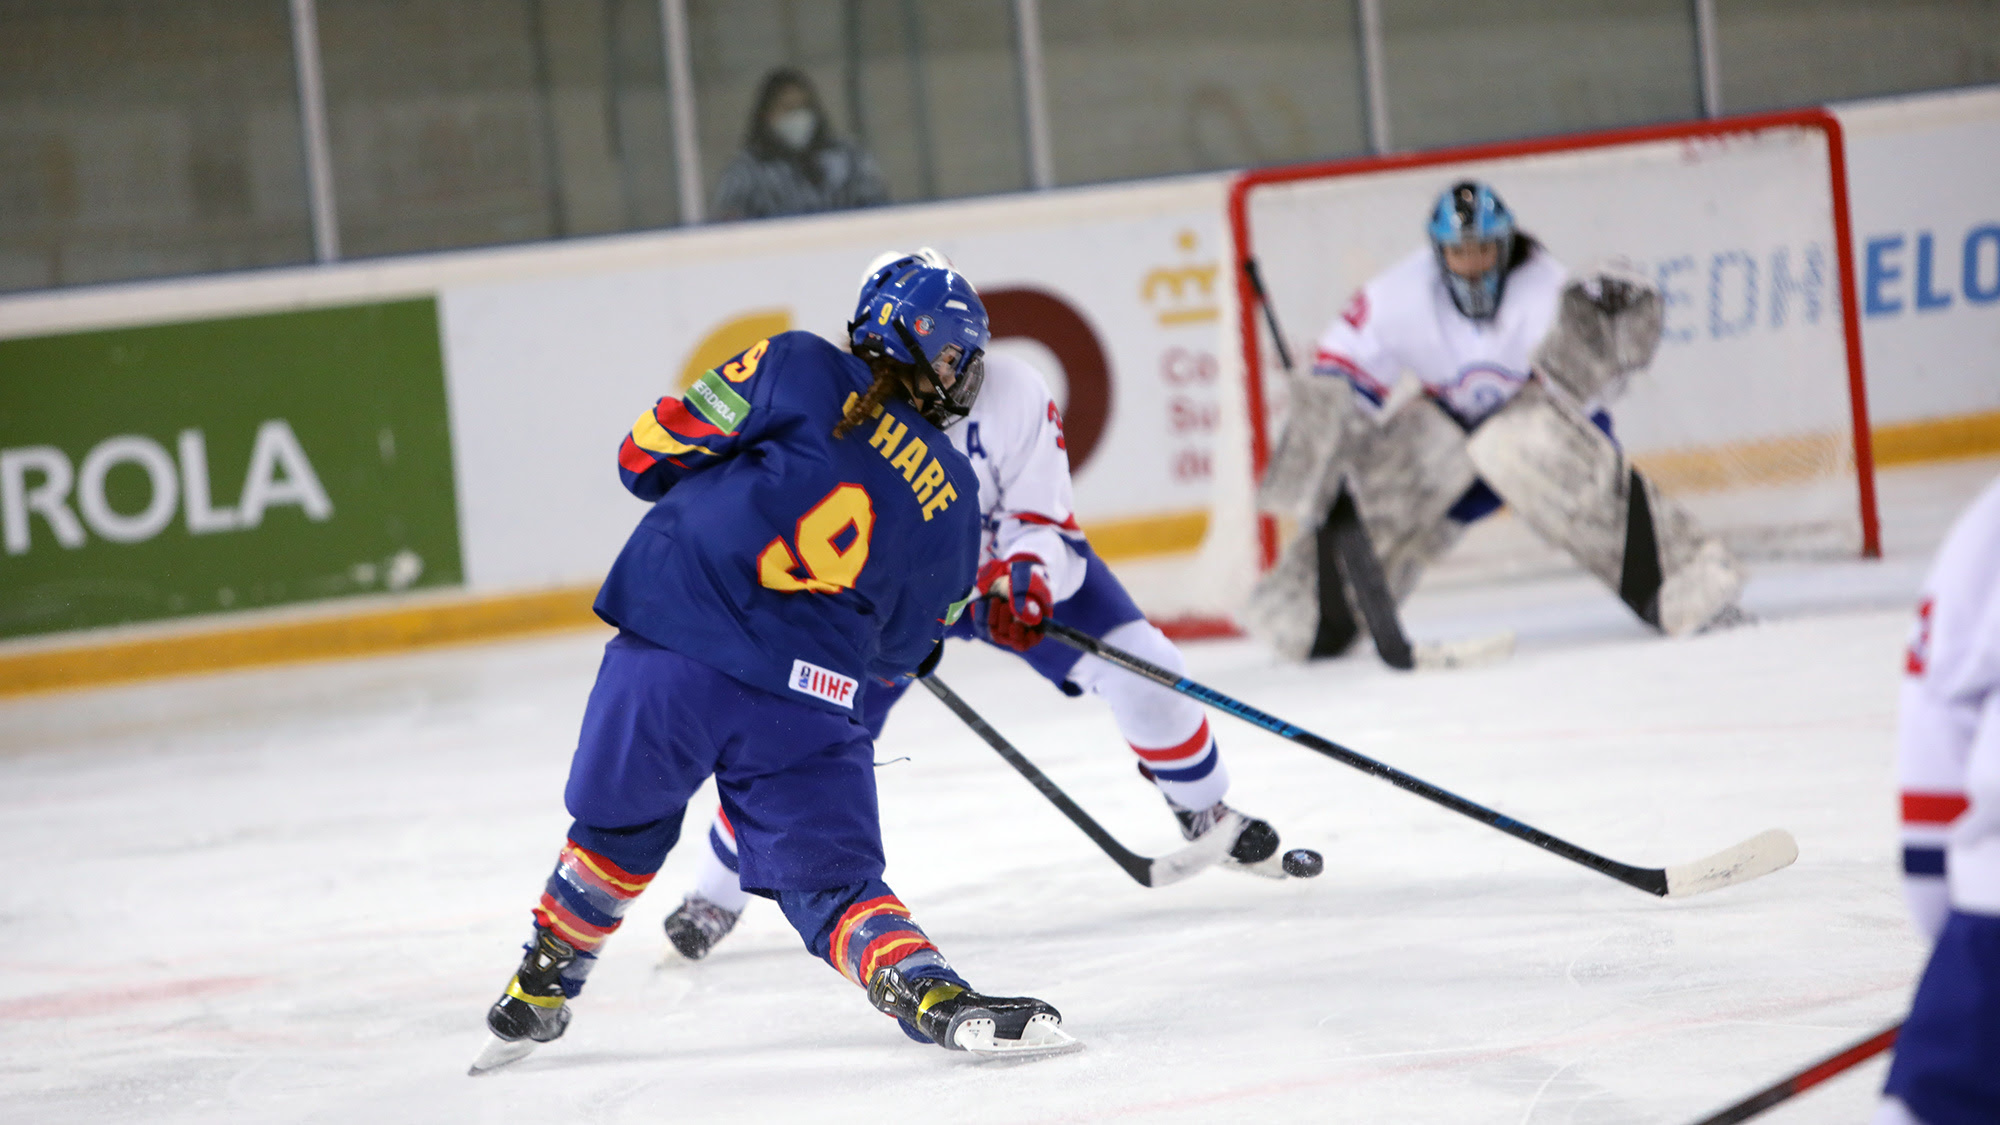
(1037, 563)
(812, 528)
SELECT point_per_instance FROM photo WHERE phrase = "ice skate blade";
(499, 1052)
(1041, 1038)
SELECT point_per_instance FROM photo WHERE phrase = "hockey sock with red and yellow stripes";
(583, 903)
(862, 928)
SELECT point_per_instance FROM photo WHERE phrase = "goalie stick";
(1270, 315)
(1346, 556)
(1786, 1088)
(1343, 541)
(1759, 855)
(1147, 871)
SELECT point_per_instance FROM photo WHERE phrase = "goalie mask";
(926, 316)
(1472, 233)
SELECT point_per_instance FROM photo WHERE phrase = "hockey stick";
(1270, 317)
(1344, 538)
(1348, 557)
(1786, 1088)
(1343, 534)
(1759, 855)
(1145, 870)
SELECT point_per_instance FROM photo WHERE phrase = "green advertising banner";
(196, 468)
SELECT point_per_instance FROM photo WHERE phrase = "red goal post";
(1748, 413)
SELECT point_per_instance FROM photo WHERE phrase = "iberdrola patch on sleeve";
(718, 403)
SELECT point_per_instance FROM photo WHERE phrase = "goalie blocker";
(1539, 453)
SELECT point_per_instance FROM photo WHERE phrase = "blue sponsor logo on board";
(1925, 272)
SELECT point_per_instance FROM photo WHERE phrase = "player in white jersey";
(1036, 564)
(1491, 325)
(1469, 341)
(1947, 1067)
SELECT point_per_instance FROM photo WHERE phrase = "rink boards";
(483, 466)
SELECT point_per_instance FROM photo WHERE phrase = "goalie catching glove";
(1014, 601)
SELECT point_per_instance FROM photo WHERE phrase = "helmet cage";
(1468, 214)
(957, 373)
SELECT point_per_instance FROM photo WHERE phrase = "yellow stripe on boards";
(1148, 535)
(367, 632)
(1766, 461)
(363, 633)
(1938, 439)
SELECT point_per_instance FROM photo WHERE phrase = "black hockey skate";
(533, 1009)
(1256, 847)
(959, 1019)
(697, 924)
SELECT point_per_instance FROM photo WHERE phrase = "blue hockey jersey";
(780, 555)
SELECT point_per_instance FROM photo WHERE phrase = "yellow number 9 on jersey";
(829, 566)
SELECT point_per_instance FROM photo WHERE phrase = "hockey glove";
(1614, 294)
(1014, 602)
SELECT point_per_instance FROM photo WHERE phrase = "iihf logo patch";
(813, 680)
(924, 324)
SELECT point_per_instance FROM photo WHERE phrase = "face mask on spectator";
(794, 128)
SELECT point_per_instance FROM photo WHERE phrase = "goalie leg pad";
(1323, 424)
(1404, 480)
(1569, 483)
(1404, 475)
(1286, 610)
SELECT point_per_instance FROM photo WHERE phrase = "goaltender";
(1517, 360)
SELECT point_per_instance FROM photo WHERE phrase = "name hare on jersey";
(912, 457)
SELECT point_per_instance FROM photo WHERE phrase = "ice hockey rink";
(289, 894)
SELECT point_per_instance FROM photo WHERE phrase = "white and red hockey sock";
(1190, 773)
(1168, 731)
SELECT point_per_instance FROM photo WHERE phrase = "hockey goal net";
(1752, 412)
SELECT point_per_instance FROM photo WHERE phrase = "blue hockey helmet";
(888, 265)
(927, 316)
(1469, 213)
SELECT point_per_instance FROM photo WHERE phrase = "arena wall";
(463, 453)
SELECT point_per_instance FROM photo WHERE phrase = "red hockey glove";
(1013, 602)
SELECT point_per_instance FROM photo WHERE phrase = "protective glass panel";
(469, 122)
(1459, 73)
(1155, 87)
(141, 139)
(886, 100)
(1802, 52)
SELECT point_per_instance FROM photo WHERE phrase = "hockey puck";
(1303, 863)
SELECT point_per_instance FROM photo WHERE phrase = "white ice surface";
(289, 895)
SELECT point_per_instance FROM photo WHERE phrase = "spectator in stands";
(791, 163)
